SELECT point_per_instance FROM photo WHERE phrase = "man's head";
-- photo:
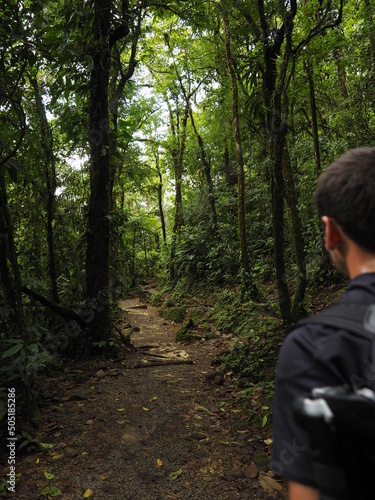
(346, 194)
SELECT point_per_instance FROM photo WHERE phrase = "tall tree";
(98, 230)
(50, 180)
(240, 169)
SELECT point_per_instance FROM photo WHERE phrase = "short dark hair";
(346, 193)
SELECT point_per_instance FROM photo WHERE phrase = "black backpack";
(340, 421)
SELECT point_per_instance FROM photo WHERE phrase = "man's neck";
(360, 261)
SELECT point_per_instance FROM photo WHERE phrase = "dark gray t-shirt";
(315, 356)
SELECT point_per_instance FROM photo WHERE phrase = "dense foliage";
(177, 139)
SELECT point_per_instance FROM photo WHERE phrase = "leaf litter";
(157, 452)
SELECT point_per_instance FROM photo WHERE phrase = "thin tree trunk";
(160, 198)
(133, 256)
(297, 234)
(50, 176)
(314, 119)
(127, 20)
(240, 170)
(11, 281)
(145, 251)
(277, 200)
(178, 214)
(207, 170)
(325, 264)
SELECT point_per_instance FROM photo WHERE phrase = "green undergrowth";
(256, 330)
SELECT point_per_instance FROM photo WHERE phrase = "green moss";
(185, 334)
(262, 460)
(175, 314)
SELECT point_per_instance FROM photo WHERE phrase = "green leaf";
(51, 491)
(12, 350)
(46, 446)
(174, 475)
(48, 475)
(33, 347)
(264, 421)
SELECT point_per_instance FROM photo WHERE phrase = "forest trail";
(165, 430)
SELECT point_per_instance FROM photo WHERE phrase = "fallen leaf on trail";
(37, 461)
(153, 399)
(87, 493)
(145, 409)
(89, 422)
(121, 409)
(84, 453)
(199, 407)
(130, 437)
(268, 484)
(56, 457)
(121, 421)
(159, 463)
(46, 446)
(224, 441)
(174, 475)
(103, 478)
(48, 475)
(50, 491)
(268, 441)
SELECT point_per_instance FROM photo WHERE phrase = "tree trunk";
(11, 281)
(297, 234)
(160, 198)
(128, 19)
(277, 201)
(98, 230)
(240, 170)
(274, 82)
(50, 176)
(314, 119)
(133, 256)
(325, 263)
(178, 214)
(145, 252)
(207, 171)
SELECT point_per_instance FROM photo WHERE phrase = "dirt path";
(125, 431)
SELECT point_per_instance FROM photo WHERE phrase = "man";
(315, 355)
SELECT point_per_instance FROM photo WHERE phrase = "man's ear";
(332, 233)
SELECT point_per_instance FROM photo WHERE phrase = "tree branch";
(61, 311)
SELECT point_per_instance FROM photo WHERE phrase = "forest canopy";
(177, 139)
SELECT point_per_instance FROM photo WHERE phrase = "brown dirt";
(169, 431)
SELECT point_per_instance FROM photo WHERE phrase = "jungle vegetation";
(177, 139)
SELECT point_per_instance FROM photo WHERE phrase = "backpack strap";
(356, 318)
